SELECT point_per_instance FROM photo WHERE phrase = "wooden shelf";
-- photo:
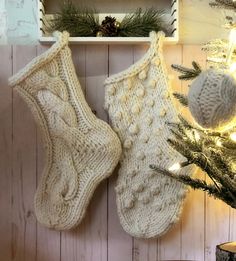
(173, 16)
(106, 40)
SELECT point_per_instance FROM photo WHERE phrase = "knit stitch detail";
(212, 99)
(81, 150)
(139, 105)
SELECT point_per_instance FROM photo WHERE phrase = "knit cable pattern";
(139, 104)
(81, 150)
(212, 99)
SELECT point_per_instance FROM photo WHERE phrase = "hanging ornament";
(212, 100)
(117, 24)
(99, 34)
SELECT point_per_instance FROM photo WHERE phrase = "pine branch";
(177, 134)
(200, 153)
(189, 152)
(185, 123)
(181, 98)
(196, 66)
(142, 23)
(187, 180)
(177, 131)
(193, 151)
(186, 73)
(77, 21)
(220, 193)
(221, 164)
(194, 154)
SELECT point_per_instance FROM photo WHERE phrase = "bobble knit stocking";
(81, 149)
(139, 105)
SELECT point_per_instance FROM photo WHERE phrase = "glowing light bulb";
(232, 67)
(218, 143)
(233, 167)
(232, 36)
(174, 167)
(232, 42)
(233, 136)
(197, 136)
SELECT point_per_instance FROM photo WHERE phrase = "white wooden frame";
(109, 40)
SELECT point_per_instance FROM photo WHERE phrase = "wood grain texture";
(108, 6)
(232, 225)
(23, 169)
(217, 226)
(100, 237)
(6, 154)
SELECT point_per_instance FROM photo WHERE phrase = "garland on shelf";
(84, 22)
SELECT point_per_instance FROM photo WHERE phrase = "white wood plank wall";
(205, 222)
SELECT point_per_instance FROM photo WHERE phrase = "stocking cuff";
(40, 60)
(156, 40)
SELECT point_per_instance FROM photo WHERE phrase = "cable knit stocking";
(81, 150)
(139, 105)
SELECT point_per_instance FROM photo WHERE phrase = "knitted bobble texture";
(81, 150)
(148, 203)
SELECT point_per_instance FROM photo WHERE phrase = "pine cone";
(108, 26)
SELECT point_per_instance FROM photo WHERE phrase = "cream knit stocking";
(81, 149)
(139, 105)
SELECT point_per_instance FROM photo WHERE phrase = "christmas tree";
(210, 142)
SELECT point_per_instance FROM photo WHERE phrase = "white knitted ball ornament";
(212, 99)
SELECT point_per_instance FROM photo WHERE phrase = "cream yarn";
(139, 105)
(81, 149)
(212, 99)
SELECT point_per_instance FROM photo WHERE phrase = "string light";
(232, 36)
(233, 136)
(218, 143)
(232, 67)
(197, 136)
(232, 42)
(178, 165)
(174, 167)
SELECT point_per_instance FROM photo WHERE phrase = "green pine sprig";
(212, 190)
(186, 73)
(140, 24)
(204, 152)
(78, 21)
(181, 98)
